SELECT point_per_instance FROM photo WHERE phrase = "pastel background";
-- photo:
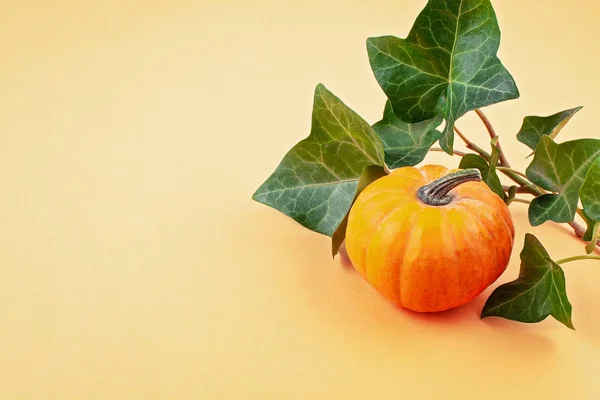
(134, 264)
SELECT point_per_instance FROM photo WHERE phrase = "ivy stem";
(488, 125)
(517, 200)
(518, 178)
(471, 145)
(455, 152)
(575, 258)
(514, 171)
(521, 189)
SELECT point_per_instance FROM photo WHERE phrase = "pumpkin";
(429, 239)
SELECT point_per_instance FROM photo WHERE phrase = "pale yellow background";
(134, 264)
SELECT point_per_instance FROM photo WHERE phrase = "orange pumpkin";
(429, 239)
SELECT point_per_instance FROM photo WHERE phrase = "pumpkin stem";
(436, 193)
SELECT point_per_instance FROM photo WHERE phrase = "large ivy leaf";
(406, 144)
(539, 290)
(535, 127)
(559, 168)
(590, 191)
(447, 64)
(316, 181)
(370, 174)
(488, 170)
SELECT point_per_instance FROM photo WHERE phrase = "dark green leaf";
(559, 168)
(370, 174)
(488, 174)
(538, 292)
(316, 181)
(406, 144)
(534, 127)
(590, 191)
(447, 64)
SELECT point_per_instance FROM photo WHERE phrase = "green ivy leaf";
(316, 181)
(447, 64)
(406, 144)
(559, 168)
(370, 174)
(534, 127)
(488, 170)
(590, 191)
(538, 292)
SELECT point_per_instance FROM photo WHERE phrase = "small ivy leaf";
(370, 174)
(590, 191)
(512, 193)
(447, 64)
(316, 181)
(539, 290)
(406, 144)
(488, 174)
(535, 127)
(559, 168)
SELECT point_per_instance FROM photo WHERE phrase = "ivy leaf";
(447, 64)
(534, 127)
(488, 170)
(316, 181)
(539, 290)
(370, 174)
(559, 168)
(406, 144)
(590, 191)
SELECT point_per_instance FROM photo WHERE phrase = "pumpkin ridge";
(510, 232)
(491, 277)
(406, 235)
(409, 265)
(391, 213)
(411, 223)
(481, 228)
(445, 223)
